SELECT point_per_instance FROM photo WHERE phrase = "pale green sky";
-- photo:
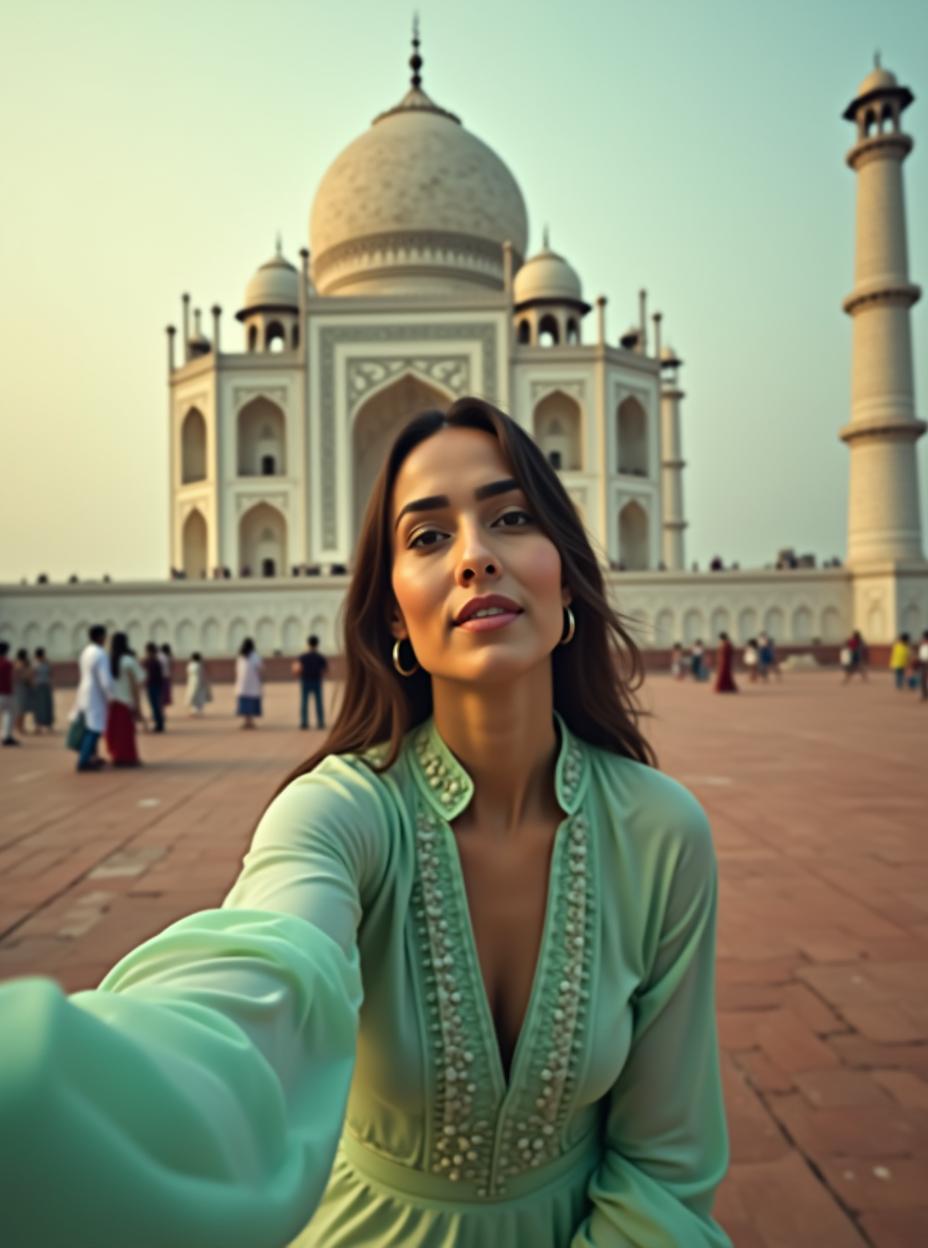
(696, 149)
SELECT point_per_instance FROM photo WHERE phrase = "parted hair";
(595, 678)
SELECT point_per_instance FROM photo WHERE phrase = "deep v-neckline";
(506, 1080)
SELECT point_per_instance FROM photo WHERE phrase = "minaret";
(672, 464)
(884, 522)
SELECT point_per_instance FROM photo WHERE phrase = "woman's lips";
(486, 623)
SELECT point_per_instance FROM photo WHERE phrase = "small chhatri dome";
(669, 356)
(198, 343)
(880, 83)
(547, 277)
(415, 204)
(877, 79)
(276, 284)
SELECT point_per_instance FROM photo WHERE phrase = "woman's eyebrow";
(435, 501)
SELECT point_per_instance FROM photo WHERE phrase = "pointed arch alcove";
(262, 442)
(632, 438)
(633, 537)
(557, 424)
(262, 541)
(377, 422)
(195, 545)
(193, 447)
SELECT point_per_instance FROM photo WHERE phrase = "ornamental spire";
(415, 61)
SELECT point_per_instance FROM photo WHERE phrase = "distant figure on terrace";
(767, 656)
(310, 667)
(696, 661)
(198, 687)
(724, 678)
(22, 690)
(167, 668)
(43, 699)
(899, 659)
(93, 695)
(154, 684)
(854, 657)
(677, 662)
(923, 665)
(125, 703)
(248, 684)
(751, 659)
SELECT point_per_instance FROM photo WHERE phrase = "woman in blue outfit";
(461, 995)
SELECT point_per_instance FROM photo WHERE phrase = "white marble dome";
(276, 284)
(417, 204)
(547, 276)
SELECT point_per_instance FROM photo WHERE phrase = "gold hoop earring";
(571, 628)
(396, 660)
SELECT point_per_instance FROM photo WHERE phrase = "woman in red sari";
(724, 662)
(123, 709)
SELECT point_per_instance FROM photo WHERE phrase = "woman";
(533, 1060)
(43, 699)
(125, 703)
(725, 660)
(22, 690)
(198, 689)
(248, 684)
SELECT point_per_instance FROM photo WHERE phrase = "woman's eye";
(419, 536)
(507, 515)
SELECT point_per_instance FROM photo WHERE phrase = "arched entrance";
(377, 423)
(262, 542)
(195, 545)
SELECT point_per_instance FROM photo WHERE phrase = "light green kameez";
(198, 1097)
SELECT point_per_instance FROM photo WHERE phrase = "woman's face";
(462, 546)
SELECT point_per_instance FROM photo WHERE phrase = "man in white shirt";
(93, 696)
(923, 665)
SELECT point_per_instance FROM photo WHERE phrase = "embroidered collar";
(448, 787)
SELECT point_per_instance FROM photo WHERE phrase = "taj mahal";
(418, 286)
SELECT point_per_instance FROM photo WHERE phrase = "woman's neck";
(506, 740)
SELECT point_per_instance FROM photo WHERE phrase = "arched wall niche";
(262, 541)
(376, 424)
(193, 447)
(195, 545)
(632, 438)
(557, 426)
(633, 537)
(261, 429)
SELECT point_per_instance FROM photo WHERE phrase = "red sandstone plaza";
(817, 797)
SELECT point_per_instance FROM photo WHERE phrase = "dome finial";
(546, 239)
(876, 59)
(279, 244)
(415, 61)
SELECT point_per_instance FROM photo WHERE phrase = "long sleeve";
(197, 1096)
(666, 1141)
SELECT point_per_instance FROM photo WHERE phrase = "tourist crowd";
(120, 692)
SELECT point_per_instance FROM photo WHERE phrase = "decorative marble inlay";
(452, 372)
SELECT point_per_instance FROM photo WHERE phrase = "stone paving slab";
(817, 794)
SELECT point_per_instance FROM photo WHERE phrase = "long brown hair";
(595, 677)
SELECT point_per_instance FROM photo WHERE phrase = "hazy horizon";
(696, 151)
